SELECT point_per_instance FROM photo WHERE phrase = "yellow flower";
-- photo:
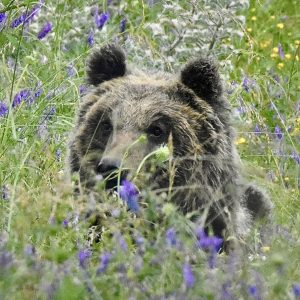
(280, 25)
(280, 65)
(288, 56)
(272, 17)
(265, 249)
(257, 58)
(265, 44)
(297, 42)
(286, 178)
(249, 29)
(275, 49)
(273, 55)
(240, 141)
(253, 18)
(298, 120)
(297, 58)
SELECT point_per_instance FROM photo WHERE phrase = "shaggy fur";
(191, 110)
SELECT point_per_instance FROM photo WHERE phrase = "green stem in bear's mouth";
(141, 139)
(162, 154)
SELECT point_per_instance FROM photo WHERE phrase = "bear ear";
(105, 64)
(201, 76)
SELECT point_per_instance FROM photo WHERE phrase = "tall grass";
(47, 248)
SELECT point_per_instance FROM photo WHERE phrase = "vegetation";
(48, 249)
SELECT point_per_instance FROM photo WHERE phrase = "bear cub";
(188, 109)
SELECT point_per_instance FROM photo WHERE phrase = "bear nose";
(107, 166)
(109, 169)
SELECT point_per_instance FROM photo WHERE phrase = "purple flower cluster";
(3, 18)
(280, 51)
(82, 90)
(296, 290)
(83, 256)
(171, 237)
(205, 242)
(90, 38)
(3, 109)
(101, 19)
(71, 70)
(188, 276)
(296, 157)
(278, 132)
(212, 244)
(248, 84)
(45, 30)
(65, 223)
(123, 25)
(104, 261)
(257, 130)
(27, 16)
(23, 95)
(129, 194)
(26, 95)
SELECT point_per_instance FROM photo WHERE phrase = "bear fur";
(190, 110)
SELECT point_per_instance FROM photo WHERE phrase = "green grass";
(36, 198)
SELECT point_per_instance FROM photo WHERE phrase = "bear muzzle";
(109, 169)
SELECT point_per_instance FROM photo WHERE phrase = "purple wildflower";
(296, 157)
(278, 132)
(3, 18)
(83, 257)
(32, 13)
(3, 109)
(45, 30)
(82, 89)
(65, 223)
(206, 242)
(188, 276)
(123, 25)
(129, 194)
(171, 237)
(246, 84)
(104, 261)
(280, 51)
(122, 243)
(252, 291)
(90, 38)
(296, 290)
(71, 71)
(38, 92)
(101, 19)
(257, 130)
(18, 21)
(22, 95)
(212, 244)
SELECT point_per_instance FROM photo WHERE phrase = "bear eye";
(106, 126)
(155, 131)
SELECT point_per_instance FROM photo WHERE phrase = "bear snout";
(109, 168)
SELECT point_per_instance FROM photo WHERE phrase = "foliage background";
(44, 248)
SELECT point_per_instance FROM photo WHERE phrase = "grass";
(46, 246)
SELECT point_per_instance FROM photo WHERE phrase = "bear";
(187, 111)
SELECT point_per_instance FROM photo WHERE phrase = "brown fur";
(192, 111)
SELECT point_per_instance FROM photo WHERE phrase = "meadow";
(48, 250)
